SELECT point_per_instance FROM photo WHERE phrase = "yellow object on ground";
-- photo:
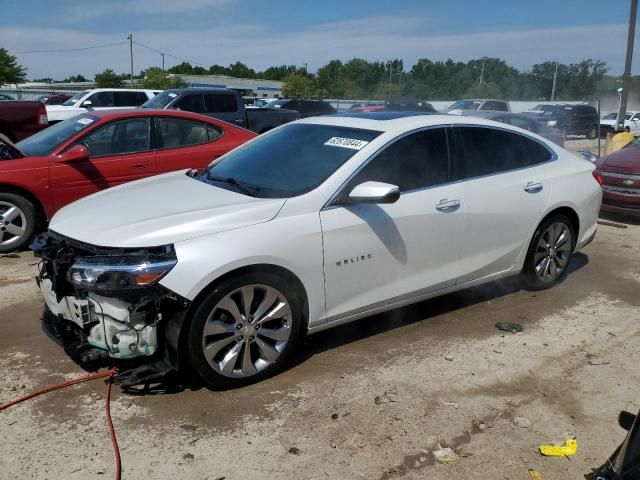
(567, 448)
(617, 141)
(533, 475)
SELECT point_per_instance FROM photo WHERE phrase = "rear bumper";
(629, 204)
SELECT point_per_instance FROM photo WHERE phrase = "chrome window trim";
(553, 157)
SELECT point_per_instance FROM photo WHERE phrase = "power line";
(170, 55)
(71, 49)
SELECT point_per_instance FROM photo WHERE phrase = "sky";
(261, 33)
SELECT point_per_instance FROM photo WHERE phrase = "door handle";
(533, 187)
(447, 206)
(239, 120)
(139, 165)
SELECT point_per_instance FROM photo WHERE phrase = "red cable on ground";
(106, 374)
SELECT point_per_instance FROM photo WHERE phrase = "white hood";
(160, 210)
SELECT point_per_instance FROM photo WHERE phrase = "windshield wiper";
(244, 186)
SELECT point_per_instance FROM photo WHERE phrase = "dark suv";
(306, 108)
(569, 119)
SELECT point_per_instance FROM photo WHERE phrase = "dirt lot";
(367, 400)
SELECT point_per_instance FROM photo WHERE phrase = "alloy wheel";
(553, 252)
(13, 223)
(247, 331)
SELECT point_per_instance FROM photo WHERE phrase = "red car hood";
(625, 160)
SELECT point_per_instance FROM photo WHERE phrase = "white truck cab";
(98, 99)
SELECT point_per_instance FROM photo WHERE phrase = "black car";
(624, 464)
(569, 119)
(306, 108)
(526, 122)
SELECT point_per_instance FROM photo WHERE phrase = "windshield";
(72, 101)
(161, 100)
(46, 141)
(465, 105)
(289, 161)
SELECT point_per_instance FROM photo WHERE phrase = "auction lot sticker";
(352, 143)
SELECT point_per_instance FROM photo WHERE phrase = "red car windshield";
(46, 141)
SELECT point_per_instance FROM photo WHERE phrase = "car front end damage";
(105, 306)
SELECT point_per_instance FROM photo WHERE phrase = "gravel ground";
(372, 399)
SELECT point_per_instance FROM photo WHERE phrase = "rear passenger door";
(224, 106)
(507, 184)
(183, 143)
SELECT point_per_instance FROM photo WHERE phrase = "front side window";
(180, 132)
(484, 151)
(72, 101)
(221, 103)
(496, 106)
(191, 103)
(289, 161)
(102, 99)
(418, 160)
(116, 138)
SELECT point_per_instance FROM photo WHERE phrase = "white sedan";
(316, 223)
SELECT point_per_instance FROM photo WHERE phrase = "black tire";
(8, 242)
(529, 277)
(195, 333)
(592, 133)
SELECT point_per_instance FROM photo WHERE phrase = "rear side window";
(191, 103)
(416, 161)
(213, 132)
(221, 103)
(496, 106)
(484, 151)
(180, 132)
(129, 99)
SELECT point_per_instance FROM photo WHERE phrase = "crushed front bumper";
(137, 331)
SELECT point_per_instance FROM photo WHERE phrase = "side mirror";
(626, 420)
(76, 154)
(374, 192)
(87, 104)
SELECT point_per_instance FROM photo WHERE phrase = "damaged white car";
(316, 223)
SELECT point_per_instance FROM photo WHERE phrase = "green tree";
(76, 78)
(184, 68)
(109, 79)
(279, 72)
(240, 70)
(10, 70)
(484, 90)
(157, 79)
(298, 86)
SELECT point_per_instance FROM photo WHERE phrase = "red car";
(97, 150)
(620, 174)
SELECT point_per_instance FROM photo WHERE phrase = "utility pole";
(130, 38)
(390, 73)
(482, 73)
(627, 67)
(553, 86)
(162, 54)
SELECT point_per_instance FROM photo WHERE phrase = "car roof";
(145, 112)
(400, 122)
(200, 90)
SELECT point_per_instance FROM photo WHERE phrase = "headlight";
(552, 123)
(119, 272)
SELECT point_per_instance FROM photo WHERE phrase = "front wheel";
(244, 330)
(18, 218)
(549, 253)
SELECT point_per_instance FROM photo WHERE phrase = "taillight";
(597, 176)
(42, 115)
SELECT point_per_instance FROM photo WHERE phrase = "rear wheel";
(18, 220)
(549, 253)
(244, 330)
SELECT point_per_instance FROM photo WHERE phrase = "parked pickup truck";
(20, 119)
(223, 104)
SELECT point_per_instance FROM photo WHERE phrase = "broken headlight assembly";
(109, 273)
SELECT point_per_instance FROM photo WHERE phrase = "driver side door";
(119, 152)
(377, 254)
